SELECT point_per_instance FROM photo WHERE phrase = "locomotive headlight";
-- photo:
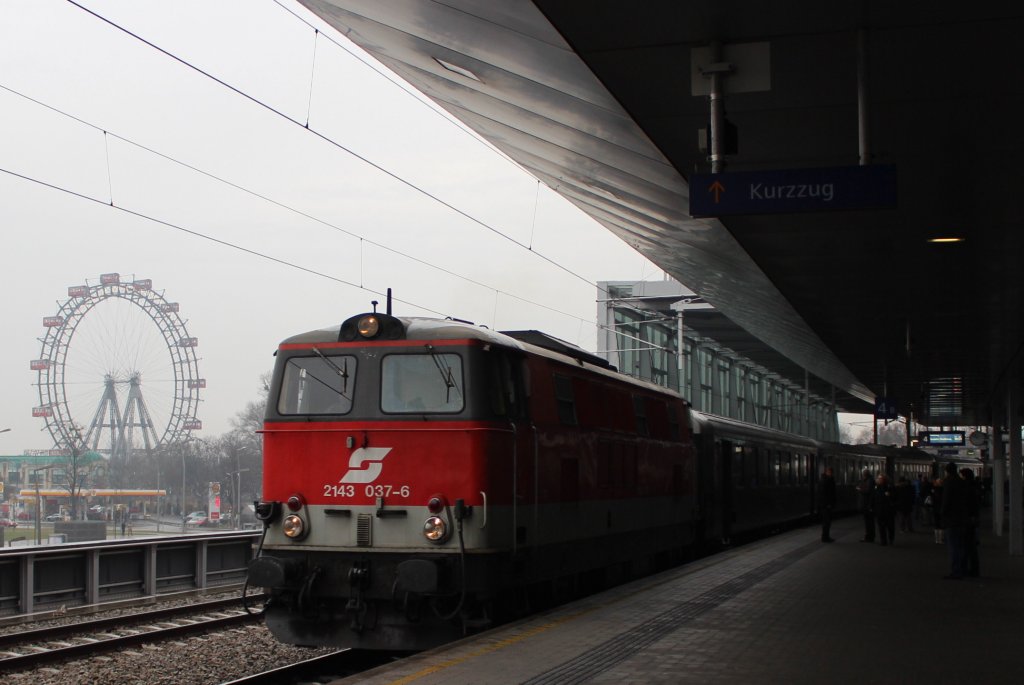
(369, 326)
(435, 529)
(294, 527)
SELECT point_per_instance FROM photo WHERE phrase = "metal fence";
(51, 577)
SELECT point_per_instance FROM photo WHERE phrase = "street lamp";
(39, 527)
(238, 497)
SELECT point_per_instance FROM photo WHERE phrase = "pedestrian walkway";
(788, 609)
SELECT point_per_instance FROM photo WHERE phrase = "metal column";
(1013, 429)
(997, 456)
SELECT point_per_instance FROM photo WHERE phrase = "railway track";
(75, 641)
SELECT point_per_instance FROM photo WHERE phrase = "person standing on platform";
(884, 507)
(956, 518)
(924, 514)
(865, 489)
(826, 502)
(905, 504)
(973, 539)
(934, 502)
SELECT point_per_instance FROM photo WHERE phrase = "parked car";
(55, 517)
(8, 523)
(197, 518)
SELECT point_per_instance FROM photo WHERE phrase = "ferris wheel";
(118, 371)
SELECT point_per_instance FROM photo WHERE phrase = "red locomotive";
(418, 471)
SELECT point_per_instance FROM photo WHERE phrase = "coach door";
(724, 452)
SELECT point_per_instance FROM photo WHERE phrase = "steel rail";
(96, 645)
(54, 632)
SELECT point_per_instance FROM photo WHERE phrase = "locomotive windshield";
(318, 385)
(421, 383)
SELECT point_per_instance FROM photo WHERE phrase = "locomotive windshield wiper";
(343, 372)
(446, 373)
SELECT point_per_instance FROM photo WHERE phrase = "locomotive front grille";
(364, 530)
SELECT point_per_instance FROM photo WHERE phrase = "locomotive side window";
(640, 414)
(421, 383)
(566, 400)
(673, 422)
(317, 385)
(506, 393)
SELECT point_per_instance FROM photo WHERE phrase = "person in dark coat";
(905, 505)
(883, 503)
(924, 514)
(973, 539)
(865, 489)
(956, 518)
(936, 510)
(826, 502)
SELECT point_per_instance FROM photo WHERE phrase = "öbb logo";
(365, 465)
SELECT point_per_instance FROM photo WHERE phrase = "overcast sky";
(238, 304)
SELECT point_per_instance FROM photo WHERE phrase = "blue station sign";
(885, 408)
(948, 438)
(793, 190)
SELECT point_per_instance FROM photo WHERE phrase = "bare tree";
(77, 465)
(891, 433)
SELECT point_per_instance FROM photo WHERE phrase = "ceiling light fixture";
(461, 71)
(945, 240)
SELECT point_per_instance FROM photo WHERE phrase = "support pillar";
(1013, 429)
(997, 456)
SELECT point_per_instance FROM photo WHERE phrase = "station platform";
(787, 609)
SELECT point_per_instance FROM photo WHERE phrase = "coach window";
(566, 400)
(764, 466)
(750, 465)
(322, 384)
(737, 466)
(421, 383)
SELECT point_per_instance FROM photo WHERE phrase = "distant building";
(639, 327)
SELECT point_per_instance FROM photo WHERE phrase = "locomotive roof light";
(294, 527)
(369, 326)
(435, 529)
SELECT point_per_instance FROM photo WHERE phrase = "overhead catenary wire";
(251, 251)
(362, 239)
(219, 241)
(253, 99)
